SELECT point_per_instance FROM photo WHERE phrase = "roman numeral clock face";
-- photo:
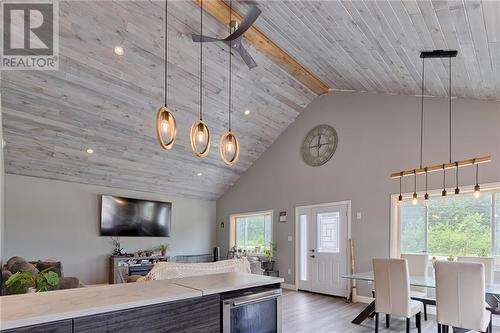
(319, 145)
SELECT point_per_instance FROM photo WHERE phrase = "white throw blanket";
(173, 270)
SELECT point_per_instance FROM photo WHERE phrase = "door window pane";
(303, 247)
(328, 232)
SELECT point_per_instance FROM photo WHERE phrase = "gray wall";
(378, 134)
(47, 218)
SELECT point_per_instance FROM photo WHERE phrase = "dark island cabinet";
(63, 326)
(199, 315)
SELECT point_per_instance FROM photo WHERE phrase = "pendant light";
(477, 189)
(200, 134)
(229, 146)
(400, 198)
(426, 195)
(457, 190)
(166, 127)
(444, 181)
(415, 197)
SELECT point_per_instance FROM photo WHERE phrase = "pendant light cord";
(201, 60)
(230, 60)
(165, 67)
(449, 93)
(422, 115)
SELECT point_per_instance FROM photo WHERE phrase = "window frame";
(232, 227)
(395, 235)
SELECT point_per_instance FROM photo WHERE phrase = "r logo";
(30, 34)
(28, 29)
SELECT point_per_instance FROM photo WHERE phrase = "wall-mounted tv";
(135, 217)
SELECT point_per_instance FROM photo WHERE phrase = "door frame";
(348, 258)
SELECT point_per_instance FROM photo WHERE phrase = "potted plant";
(163, 249)
(20, 283)
(269, 252)
(46, 279)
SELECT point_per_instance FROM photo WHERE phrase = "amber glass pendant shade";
(200, 138)
(166, 128)
(229, 148)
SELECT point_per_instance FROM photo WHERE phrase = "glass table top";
(420, 281)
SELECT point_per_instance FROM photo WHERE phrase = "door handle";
(313, 256)
(312, 250)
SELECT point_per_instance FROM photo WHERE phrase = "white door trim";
(345, 202)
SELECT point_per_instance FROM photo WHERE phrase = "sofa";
(19, 264)
(173, 270)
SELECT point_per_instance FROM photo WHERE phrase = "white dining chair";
(392, 292)
(488, 263)
(460, 297)
(418, 265)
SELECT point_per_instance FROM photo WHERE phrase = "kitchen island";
(191, 304)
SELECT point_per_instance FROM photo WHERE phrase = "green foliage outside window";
(456, 225)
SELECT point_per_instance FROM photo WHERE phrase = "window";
(328, 235)
(453, 225)
(252, 232)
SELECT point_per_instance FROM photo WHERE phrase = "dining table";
(492, 291)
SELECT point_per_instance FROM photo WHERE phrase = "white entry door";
(322, 242)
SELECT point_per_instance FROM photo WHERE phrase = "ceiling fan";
(234, 39)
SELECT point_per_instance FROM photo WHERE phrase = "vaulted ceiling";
(108, 103)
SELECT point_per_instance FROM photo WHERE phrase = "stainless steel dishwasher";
(256, 310)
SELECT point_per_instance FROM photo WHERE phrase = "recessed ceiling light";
(199, 174)
(90, 151)
(247, 112)
(119, 50)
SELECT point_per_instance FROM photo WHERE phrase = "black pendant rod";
(449, 94)
(201, 61)
(230, 59)
(422, 116)
(165, 65)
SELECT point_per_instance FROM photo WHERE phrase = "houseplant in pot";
(269, 253)
(163, 249)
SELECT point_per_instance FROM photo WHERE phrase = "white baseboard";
(289, 286)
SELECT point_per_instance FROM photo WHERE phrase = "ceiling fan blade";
(247, 58)
(204, 39)
(247, 22)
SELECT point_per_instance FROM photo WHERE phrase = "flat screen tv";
(134, 217)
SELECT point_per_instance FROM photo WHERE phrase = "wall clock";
(319, 145)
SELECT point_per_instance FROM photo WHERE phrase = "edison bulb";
(415, 199)
(201, 137)
(164, 125)
(229, 146)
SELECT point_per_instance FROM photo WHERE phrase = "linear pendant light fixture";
(200, 134)
(166, 127)
(443, 166)
(229, 146)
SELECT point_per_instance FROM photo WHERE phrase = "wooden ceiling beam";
(220, 11)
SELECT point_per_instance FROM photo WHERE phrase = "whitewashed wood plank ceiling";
(375, 45)
(108, 103)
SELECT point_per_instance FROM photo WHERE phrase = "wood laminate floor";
(312, 313)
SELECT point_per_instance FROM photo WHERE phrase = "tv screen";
(135, 217)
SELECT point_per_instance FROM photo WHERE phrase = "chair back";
(417, 266)
(486, 261)
(460, 294)
(392, 286)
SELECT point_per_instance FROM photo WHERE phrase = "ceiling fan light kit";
(166, 127)
(443, 166)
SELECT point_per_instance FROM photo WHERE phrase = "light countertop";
(222, 282)
(36, 308)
